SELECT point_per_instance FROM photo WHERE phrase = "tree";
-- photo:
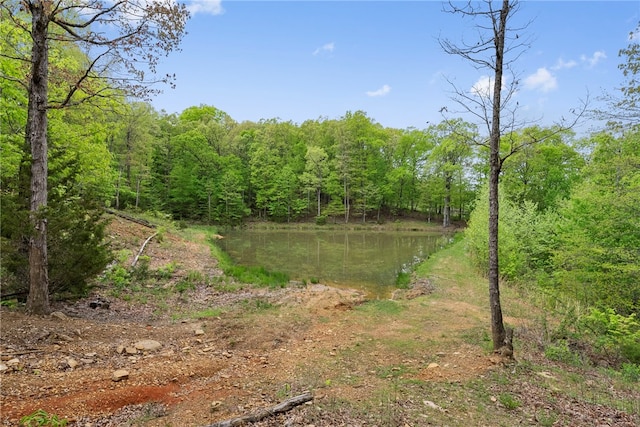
(488, 104)
(598, 238)
(544, 173)
(626, 108)
(452, 140)
(127, 36)
(316, 171)
(499, 45)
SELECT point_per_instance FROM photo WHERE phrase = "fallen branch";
(19, 353)
(280, 408)
(130, 218)
(135, 260)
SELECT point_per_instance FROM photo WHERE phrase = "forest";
(569, 204)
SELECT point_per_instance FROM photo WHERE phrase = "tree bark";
(498, 332)
(38, 299)
(446, 212)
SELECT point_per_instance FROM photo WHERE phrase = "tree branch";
(280, 408)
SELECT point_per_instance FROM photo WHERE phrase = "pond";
(366, 260)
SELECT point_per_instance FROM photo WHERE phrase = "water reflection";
(366, 260)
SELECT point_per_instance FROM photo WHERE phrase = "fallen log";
(135, 260)
(280, 408)
(130, 218)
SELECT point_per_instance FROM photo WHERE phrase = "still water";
(366, 260)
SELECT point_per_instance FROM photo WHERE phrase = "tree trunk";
(498, 332)
(138, 191)
(38, 299)
(446, 212)
(118, 189)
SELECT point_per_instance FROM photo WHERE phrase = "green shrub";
(41, 418)
(630, 372)
(403, 279)
(140, 271)
(613, 334)
(321, 220)
(526, 237)
(118, 276)
(560, 352)
(509, 401)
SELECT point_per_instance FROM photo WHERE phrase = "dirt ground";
(263, 346)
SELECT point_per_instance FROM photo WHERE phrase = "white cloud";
(562, 64)
(207, 7)
(482, 87)
(541, 80)
(325, 48)
(384, 90)
(594, 59)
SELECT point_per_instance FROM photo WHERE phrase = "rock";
(59, 315)
(119, 375)
(432, 405)
(148, 345)
(120, 349)
(72, 363)
(545, 374)
(131, 350)
(3, 367)
(99, 303)
(199, 332)
(64, 337)
(87, 361)
(13, 362)
(432, 365)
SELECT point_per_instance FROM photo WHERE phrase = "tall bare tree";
(498, 45)
(123, 41)
(490, 104)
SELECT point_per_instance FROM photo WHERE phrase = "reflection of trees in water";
(363, 260)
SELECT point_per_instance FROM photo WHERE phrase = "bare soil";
(255, 347)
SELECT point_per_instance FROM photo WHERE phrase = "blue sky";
(300, 60)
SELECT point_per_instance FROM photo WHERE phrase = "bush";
(613, 335)
(560, 352)
(526, 237)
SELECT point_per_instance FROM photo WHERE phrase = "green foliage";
(612, 333)
(258, 276)
(508, 401)
(321, 220)
(257, 304)
(41, 418)
(117, 276)
(596, 259)
(403, 279)
(630, 372)
(526, 237)
(543, 173)
(140, 272)
(560, 352)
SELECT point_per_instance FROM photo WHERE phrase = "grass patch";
(403, 279)
(258, 276)
(257, 304)
(381, 307)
